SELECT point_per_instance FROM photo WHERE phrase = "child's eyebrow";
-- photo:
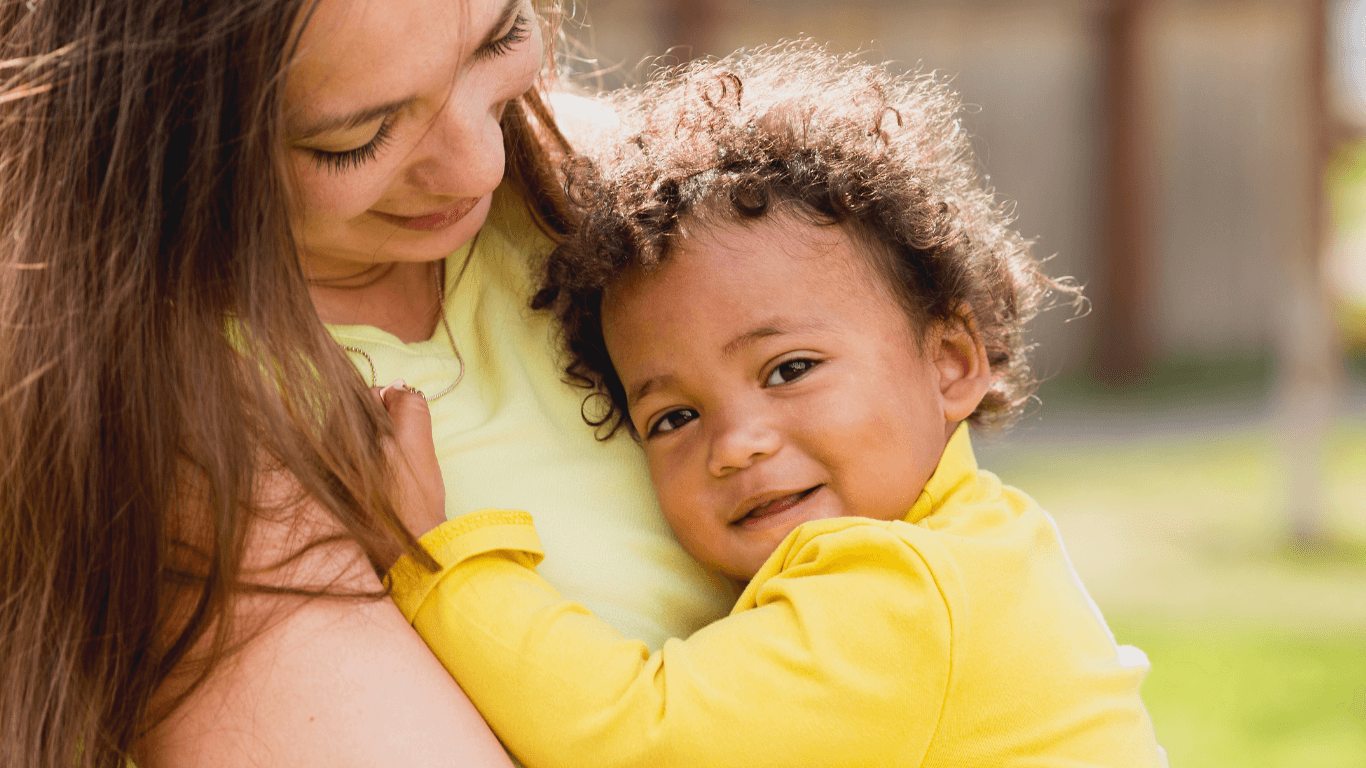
(646, 387)
(774, 327)
(771, 327)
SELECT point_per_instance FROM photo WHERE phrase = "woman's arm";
(325, 682)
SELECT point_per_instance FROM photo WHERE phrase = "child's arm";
(837, 655)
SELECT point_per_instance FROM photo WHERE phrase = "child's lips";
(773, 504)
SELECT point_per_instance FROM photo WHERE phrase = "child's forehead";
(722, 275)
(783, 250)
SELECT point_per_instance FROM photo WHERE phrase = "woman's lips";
(430, 222)
(775, 507)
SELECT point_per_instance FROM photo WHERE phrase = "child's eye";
(789, 371)
(672, 420)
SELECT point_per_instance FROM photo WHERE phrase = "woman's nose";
(741, 441)
(462, 153)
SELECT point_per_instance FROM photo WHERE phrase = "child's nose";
(739, 442)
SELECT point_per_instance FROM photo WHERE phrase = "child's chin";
(763, 535)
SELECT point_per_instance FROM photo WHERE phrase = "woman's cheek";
(520, 79)
(327, 195)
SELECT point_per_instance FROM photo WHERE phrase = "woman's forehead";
(356, 55)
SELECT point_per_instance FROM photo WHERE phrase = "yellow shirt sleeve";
(820, 670)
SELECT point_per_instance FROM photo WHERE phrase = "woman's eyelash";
(521, 30)
(338, 162)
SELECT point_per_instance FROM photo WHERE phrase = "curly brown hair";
(837, 141)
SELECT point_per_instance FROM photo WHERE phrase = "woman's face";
(392, 119)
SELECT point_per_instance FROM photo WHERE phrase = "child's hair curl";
(829, 138)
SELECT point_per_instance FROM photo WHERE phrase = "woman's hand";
(419, 491)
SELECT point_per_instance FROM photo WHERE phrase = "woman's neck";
(397, 297)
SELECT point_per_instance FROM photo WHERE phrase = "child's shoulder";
(853, 561)
(989, 512)
(981, 528)
(977, 506)
(850, 544)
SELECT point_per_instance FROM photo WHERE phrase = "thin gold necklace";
(438, 273)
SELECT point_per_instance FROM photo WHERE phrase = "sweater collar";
(957, 466)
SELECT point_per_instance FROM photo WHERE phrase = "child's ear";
(964, 373)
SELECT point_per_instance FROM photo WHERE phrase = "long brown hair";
(159, 354)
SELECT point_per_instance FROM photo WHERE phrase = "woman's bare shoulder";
(322, 681)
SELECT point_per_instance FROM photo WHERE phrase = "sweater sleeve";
(838, 655)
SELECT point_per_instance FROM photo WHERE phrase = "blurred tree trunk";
(1125, 304)
(1308, 355)
(686, 28)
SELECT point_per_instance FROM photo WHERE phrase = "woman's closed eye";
(519, 32)
(341, 161)
(671, 421)
(789, 371)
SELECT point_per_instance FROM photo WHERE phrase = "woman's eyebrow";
(355, 119)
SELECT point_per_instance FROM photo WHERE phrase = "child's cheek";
(679, 478)
(661, 470)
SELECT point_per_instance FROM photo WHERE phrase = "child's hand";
(419, 492)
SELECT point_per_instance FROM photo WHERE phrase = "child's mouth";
(776, 506)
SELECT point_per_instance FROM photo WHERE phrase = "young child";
(790, 285)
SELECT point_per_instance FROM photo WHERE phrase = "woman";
(190, 459)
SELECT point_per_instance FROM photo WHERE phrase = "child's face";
(774, 380)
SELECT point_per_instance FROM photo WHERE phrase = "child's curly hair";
(832, 139)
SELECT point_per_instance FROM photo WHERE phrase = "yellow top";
(957, 637)
(511, 435)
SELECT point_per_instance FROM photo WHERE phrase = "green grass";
(1236, 696)
(1258, 647)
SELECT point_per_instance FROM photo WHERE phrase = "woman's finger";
(408, 409)
(398, 386)
(421, 492)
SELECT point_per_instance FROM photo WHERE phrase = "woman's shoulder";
(512, 225)
(317, 680)
(587, 122)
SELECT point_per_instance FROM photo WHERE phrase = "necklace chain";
(441, 308)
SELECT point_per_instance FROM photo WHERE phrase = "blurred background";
(1200, 166)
